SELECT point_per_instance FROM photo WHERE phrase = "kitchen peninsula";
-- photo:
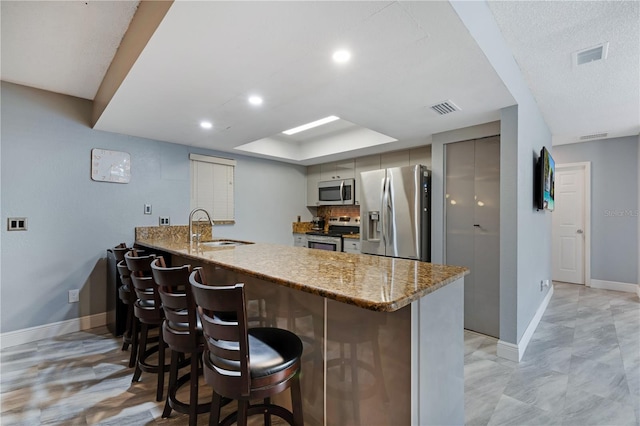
(383, 337)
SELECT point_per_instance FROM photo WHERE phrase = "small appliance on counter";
(317, 223)
(332, 239)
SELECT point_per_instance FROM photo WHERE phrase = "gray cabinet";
(420, 155)
(337, 170)
(313, 177)
(472, 205)
(351, 246)
(365, 164)
(394, 159)
(300, 240)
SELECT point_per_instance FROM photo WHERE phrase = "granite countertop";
(370, 282)
(351, 236)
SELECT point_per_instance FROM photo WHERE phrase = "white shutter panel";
(212, 181)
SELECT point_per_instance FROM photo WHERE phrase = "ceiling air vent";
(594, 136)
(591, 54)
(445, 107)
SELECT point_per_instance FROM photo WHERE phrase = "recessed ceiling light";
(206, 124)
(311, 125)
(255, 100)
(341, 56)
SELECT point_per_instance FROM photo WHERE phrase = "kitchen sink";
(224, 243)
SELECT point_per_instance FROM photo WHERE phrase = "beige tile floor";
(582, 367)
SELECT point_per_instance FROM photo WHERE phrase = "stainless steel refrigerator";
(395, 206)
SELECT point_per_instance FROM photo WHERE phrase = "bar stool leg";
(296, 401)
(193, 392)
(267, 416)
(173, 378)
(142, 345)
(214, 416)
(133, 357)
(161, 367)
(126, 336)
(243, 407)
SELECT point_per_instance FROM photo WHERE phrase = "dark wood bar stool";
(244, 363)
(128, 296)
(182, 332)
(148, 310)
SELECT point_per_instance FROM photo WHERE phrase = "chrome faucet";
(193, 236)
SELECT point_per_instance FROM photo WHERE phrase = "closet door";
(472, 227)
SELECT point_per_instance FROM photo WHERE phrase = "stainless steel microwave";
(337, 192)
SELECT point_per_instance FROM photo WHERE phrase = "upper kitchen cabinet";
(337, 170)
(394, 159)
(420, 155)
(365, 164)
(314, 175)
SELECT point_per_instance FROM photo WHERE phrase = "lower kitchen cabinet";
(351, 246)
(300, 240)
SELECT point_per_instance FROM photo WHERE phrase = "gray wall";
(614, 188)
(526, 133)
(534, 227)
(45, 164)
(509, 224)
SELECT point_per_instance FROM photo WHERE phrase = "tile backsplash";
(332, 211)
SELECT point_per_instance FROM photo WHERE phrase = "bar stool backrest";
(119, 251)
(175, 294)
(222, 311)
(141, 277)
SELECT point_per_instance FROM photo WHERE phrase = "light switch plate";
(164, 221)
(147, 209)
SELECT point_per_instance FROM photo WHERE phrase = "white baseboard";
(31, 334)
(615, 286)
(515, 352)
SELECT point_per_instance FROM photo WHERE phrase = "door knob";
(580, 231)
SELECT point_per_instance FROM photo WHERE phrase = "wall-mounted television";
(545, 181)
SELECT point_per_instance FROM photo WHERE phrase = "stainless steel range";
(331, 240)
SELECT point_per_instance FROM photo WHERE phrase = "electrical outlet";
(544, 283)
(74, 296)
(164, 221)
(16, 224)
(147, 209)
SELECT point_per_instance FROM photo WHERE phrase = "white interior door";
(568, 231)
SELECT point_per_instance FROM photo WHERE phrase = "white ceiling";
(597, 97)
(62, 46)
(206, 58)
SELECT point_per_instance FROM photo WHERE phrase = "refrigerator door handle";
(386, 211)
(383, 211)
(390, 213)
